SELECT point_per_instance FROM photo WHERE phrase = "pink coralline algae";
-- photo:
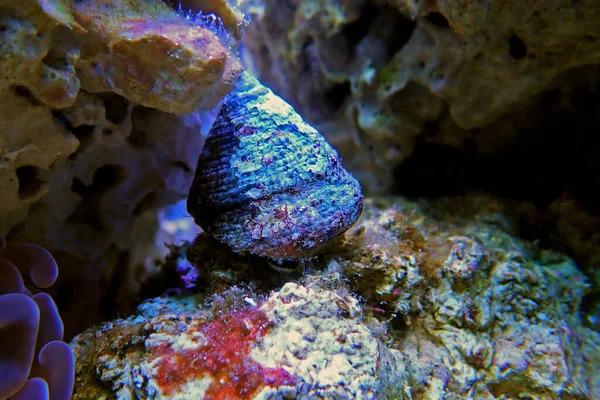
(300, 342)
(224, 356)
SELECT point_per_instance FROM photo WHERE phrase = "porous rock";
(375, 76)
(95, 134)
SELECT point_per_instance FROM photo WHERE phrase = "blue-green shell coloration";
(267, 182)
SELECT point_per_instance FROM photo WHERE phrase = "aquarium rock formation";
(98, 131)
(452, 304)
(482, 313)
(486, 288)
(376, 77)
(300, 342)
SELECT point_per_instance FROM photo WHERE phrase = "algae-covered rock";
(479, 312)
(300, 342)
(419, 300)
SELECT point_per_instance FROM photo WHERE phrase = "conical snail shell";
(268, 183)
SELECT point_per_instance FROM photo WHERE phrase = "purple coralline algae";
(267, 182)
(34, 361)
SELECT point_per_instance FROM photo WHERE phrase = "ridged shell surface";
(267, 182)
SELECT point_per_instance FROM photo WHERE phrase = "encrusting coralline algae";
(301, 341)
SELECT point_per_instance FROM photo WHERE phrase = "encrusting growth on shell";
(267, 182)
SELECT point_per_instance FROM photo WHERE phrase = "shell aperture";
(267, 182)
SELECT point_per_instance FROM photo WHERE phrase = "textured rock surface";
(461, 307)
(301, 342)
(374, 76)
(477, 311)
(147, 53)
(233, 20)
(316, 327)
(89, 147)
(48, 57)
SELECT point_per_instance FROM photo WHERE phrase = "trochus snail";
(267, 182)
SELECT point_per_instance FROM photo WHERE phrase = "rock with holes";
(149, 55)
(378, 77)
(231, 17)
(98, 130)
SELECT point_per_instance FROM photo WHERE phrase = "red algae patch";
(221, 353)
